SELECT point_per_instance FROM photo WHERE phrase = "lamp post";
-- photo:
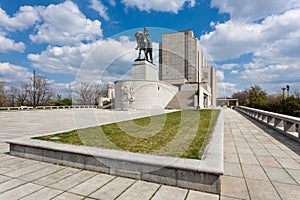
(283, 89)
(288, 90)
(34, 90)
(198, 86)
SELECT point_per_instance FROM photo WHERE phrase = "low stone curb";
(202, 175)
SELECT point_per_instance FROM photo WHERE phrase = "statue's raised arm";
(144, 44)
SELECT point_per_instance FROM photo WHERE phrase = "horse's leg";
(150, 53)
(146, 54)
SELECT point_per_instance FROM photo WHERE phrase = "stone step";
(182, 100)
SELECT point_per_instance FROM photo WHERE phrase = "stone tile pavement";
(28, 179)
(259, 163)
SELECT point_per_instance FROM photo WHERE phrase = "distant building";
(182, 62)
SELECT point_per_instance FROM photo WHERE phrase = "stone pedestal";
(144, 70)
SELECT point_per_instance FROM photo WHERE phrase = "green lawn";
(181, 134)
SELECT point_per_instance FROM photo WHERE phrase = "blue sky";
(250, 41)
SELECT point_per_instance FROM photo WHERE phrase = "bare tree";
(39, 91)
(87, 94)
(2, 94)
(84, 93)
(11, 96)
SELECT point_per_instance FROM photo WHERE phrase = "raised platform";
(203, 175)
(144, 70)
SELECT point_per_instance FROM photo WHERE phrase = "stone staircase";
(182, 100)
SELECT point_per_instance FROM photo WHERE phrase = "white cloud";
(225, 89)
(10, 45)
(232, 39)
(220, 75)
(159, 5)
(251, 10)
(64, 24)
(10, 73)
(94, 56)
(280, 73)
(65, 59)
(112, 2)
(230, 66)
(26, 17)
(276, 35)
(100, 8)
(234, 72)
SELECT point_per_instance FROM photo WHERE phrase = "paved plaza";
(259, 163)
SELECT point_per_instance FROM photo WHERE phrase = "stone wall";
(143, 94)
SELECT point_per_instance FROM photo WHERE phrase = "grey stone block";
(33, 153)
(163, 175)
(73, 160)
(129, 174)
(95, 164)
(199, 181)
(16, 150)
(52, 156)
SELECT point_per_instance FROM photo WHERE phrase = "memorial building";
(183, 79)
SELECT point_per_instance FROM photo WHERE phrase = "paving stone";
(26, 170)
(233, 157)
(293, 154)
(170, 193)
(261, 152)
(4, 178)
(41, 173)
(232, 169)
(256, 145)
(45, 193)
(139, 190)
(10, 184)
(295, 174)
(228, 198)
(229, 150)
(242, 144)
(289, 163)
(254, 172)
(229, 144)
(234, 187)
(16, 166)
(113, 189)
(87, 187)
(68, 196)
(242, 150)
(279, 153)
(9, 160)
(268, 161)
(55, 177)
(248, 159)
(72, 180)
(288, 192)
(279, 175)
(20, 192)
(261, 190)
(195, 195)
(271, 147)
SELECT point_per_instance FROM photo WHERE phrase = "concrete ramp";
(182, 100)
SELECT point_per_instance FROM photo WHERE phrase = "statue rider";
(149, 48)
(145, 44)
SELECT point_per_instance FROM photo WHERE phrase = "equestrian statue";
(144, 44)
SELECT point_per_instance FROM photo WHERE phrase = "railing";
(47, 107)
(287, 125)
